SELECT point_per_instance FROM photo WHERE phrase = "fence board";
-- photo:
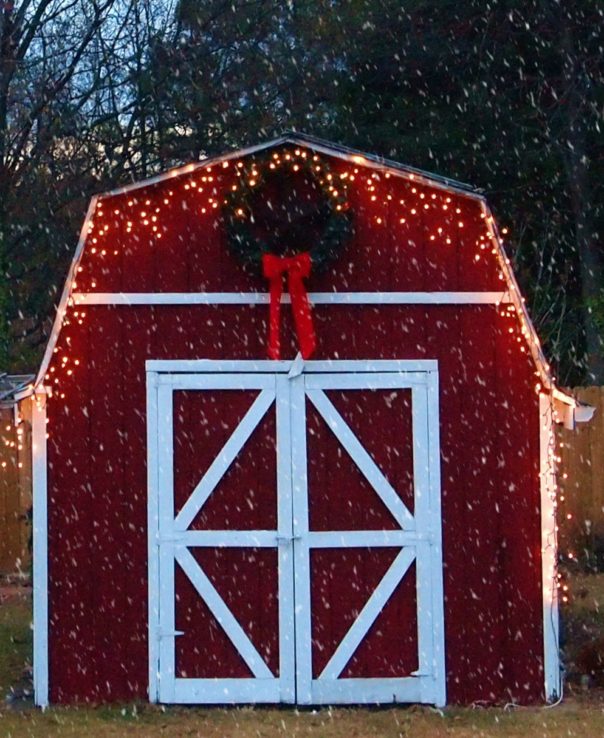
(581, 478)
(15, 491)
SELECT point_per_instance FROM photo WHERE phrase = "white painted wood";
(361, 458)
(222, 538)
(165, 479)
(315, 298)
(383, 691)
(439, 696)
(210, 366)
(423, 578)
(171, 546)
(219, 382)
(152, 535)
(225, 458)
(422, 544)
(374, 605)
(301, 546)
(193, 691)
(221, 612)
(287, 629)
(66, 294)
(549, 552)
(366, 538)
(40, 548)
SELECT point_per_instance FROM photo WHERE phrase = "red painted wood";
(191, 253)
(342, 580)
(72, 656)
(395, 625)
(204, 421)
(246, 579)
(97, 448)
(521, 521)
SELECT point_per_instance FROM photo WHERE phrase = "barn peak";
(318, 145)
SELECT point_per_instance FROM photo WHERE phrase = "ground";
(581, 714)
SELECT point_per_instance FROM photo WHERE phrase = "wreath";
(287, 203)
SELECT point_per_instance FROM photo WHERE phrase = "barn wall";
(488, 405)
(489, 440)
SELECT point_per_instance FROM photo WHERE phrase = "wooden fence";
(581, 479)
(15, 490)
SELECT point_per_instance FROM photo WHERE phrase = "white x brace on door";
(414, 539)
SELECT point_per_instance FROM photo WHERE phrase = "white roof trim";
(66, 294)
(353, 157)
(528, 329)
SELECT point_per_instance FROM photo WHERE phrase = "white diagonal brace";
(373, 607)
(223, 615)
(361, 458)
(224, 459)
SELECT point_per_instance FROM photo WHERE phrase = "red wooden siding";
(97, 444)
(190, 255)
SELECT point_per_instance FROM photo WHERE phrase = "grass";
(583, 630)
(575, 718)
(15, 640)
(581, 715)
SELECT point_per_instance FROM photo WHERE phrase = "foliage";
(276, 203)
(506, 95)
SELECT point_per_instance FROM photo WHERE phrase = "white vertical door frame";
(439, 696)
(40, 547)
(165, 547)
(422, 509)
(285, 538)
(153, 534)
(549, 551)
(301, 524)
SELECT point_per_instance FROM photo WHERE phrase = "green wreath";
(284, 203)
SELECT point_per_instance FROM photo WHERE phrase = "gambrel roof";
(360, 158)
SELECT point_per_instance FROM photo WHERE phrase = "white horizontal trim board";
(316, 298)
(211, 366)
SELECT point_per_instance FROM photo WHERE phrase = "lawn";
(581, 714)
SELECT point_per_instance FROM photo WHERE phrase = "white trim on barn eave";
(65, 295)
(528, 329)
(352, 156)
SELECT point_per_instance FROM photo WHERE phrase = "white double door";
(308, 652)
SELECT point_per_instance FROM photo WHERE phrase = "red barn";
(347, 500)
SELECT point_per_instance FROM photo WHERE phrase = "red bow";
(297, 268)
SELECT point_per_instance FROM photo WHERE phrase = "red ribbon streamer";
(297, 268)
